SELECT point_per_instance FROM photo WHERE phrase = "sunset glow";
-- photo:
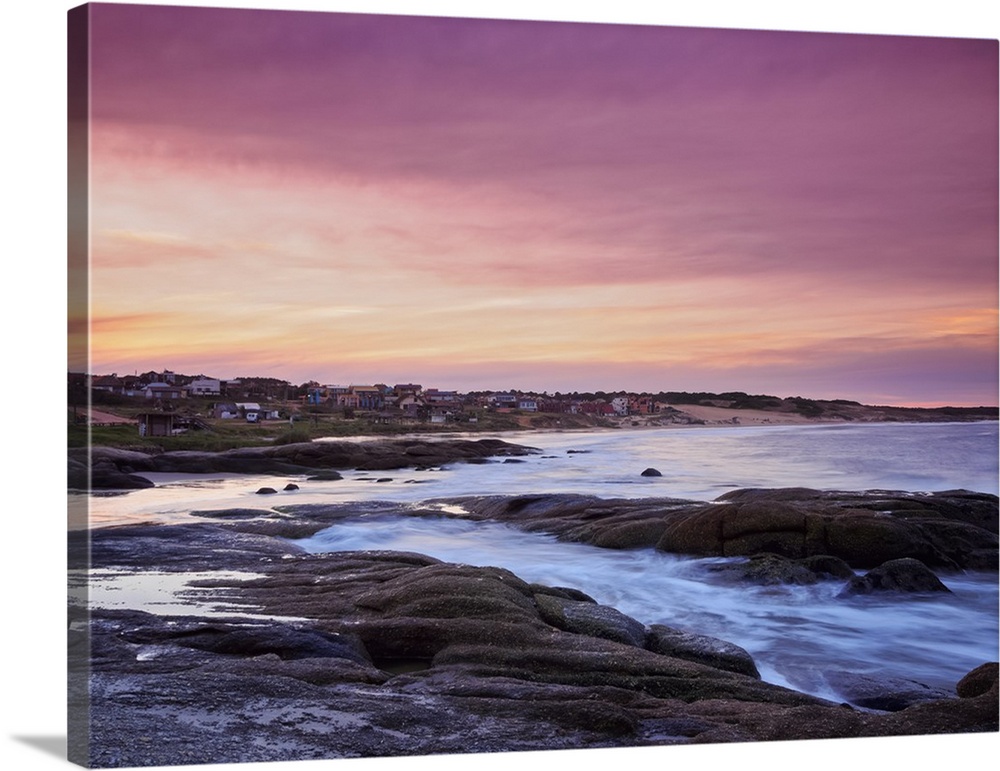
(477, 204)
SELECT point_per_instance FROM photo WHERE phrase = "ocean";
(796, 634)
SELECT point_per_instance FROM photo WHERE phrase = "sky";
(492, 204)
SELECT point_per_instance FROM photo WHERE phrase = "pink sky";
(503, 204)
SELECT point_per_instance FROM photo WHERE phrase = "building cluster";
(413, 401)
(256, 399)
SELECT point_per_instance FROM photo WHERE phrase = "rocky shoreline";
(953, 530)
(372, 653)
(104, 468)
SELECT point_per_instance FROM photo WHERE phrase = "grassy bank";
(216, 435)
(231, 434)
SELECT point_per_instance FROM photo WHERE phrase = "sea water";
(695, 463)
(796, 634)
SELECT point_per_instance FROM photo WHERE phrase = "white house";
(205, 387)
(164, 391)
(620, 405)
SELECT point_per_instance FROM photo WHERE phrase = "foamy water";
(794, 633)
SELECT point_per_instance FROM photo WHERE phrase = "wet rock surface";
(702, 648)
(114, 468)
(889, 694)
(900, 575)
(772, 569)
(373, 653)
(950, 530)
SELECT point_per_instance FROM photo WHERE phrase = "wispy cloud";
(563, 196)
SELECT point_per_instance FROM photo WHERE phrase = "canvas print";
(443, 385)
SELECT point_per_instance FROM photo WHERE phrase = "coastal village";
(166, 403)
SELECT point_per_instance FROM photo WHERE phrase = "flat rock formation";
(375, 653)
(115, 468)
(951, 530)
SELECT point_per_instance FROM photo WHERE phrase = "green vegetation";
(293, 436)
(807, 407)
(233, 433)
(303, 422)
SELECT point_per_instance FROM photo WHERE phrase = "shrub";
(293, 436)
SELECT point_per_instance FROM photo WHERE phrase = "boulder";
(979, 681)
(768, 570)
(888, 694)
(590, 619)
(450, 591)
(232, 513)
(327, 475)
(104, 474)
(701, 648)
(825, 566)
(772, 569)
(901, 575)
(651, 472)
(862, 529)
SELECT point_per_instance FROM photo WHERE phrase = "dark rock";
(622, 535)
(845, 529)
(979, 681)
(863, 529)
(599, 665)
(111, 473)
(266, 491)
(448, 591)
(232, 513)
(325, 476)
(888, 694)
(609, 523)
(417, 657)
(567, 593)
(651, 472)
(284, 641)
(302, 457)
(901, 575)
(199, 546)
(590, 619)
(772, 569)
(769, 570)
(703, 649)
(291, 486)
(826, 566)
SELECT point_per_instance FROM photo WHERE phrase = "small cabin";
(156, 423)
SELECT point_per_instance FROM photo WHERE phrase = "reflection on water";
(698, 464)
(162, 593)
